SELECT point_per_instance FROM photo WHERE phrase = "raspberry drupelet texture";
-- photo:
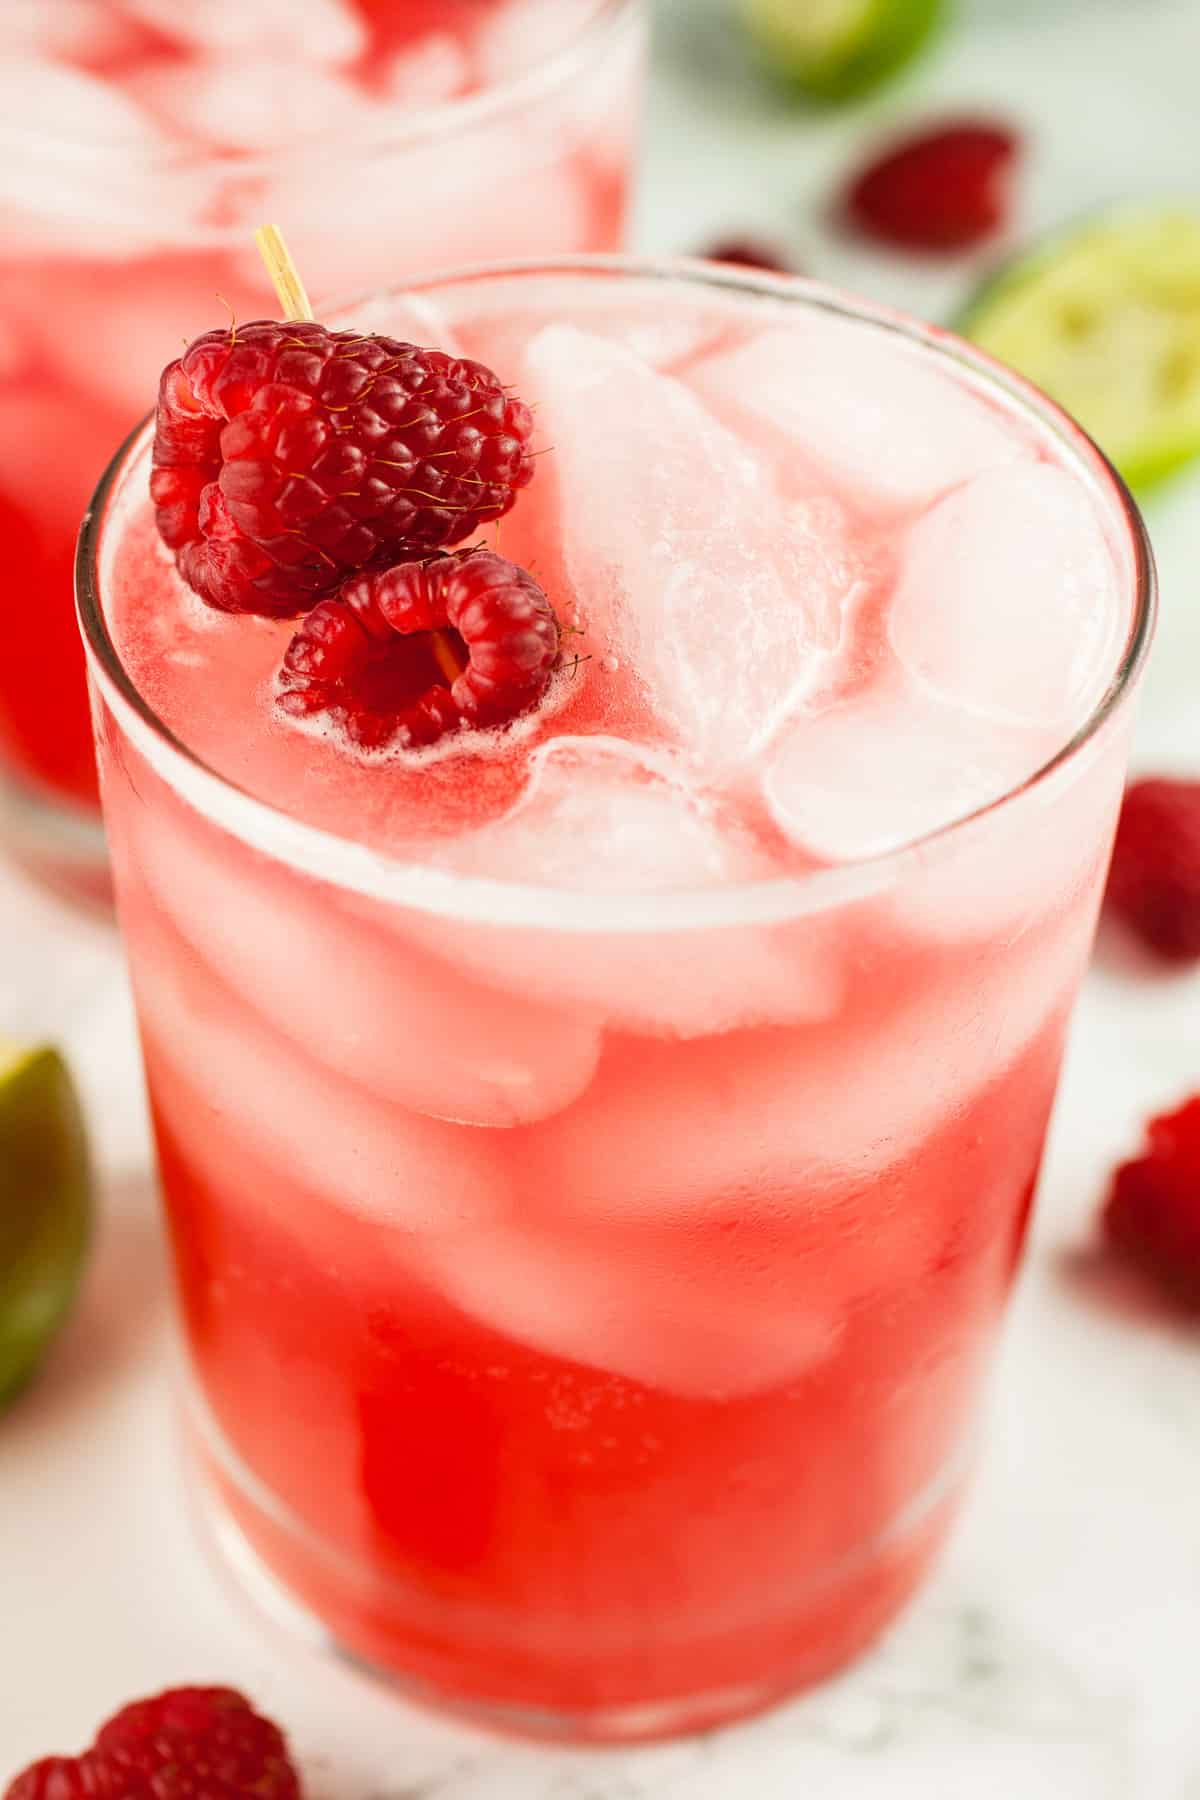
(287, 457)
(1154, 882)
(1152, 1217)
(406, 655)
(57, 1778)
(942, 189)
(188, 1744)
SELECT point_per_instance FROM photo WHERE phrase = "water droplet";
(575, 619)
(610, 664)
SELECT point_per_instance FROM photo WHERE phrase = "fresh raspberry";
(945, 189)
(56, 1778)
(1152, 1217)
(414, 652)
(188, 1744)
(1154, 883)
(749, 253)
(287, 457)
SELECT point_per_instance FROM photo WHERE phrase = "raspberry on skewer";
(287, 456)
(302, 471)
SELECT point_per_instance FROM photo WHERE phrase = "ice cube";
(1007, 600)
(603, 816)
(781, 1120)
(324, 31)
(431, 206)
(242, 101)
(35, 92)
(227, 1077)
(97, 188)
(678, 550)
(357, 993)
(621, 1306)
(427, 73)
(885, 767)
(893, 765)
(83, 31)
(859, 407)
(515, 36)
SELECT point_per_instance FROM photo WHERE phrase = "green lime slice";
(836, 49)
(45, 1205)
(1106, 319)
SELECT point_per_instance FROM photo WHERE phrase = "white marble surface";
(1054, 1655)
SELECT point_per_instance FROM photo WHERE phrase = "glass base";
(60, 846)
(241, 1528)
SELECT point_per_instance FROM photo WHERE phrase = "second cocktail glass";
(140, 142)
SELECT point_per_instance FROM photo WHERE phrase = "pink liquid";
(116, 253)
(589, 1283)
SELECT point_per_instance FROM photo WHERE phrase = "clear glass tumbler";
(140, 143)
(589, 1280)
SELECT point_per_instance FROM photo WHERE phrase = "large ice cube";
(98, 188)
(678, 549)
(358, 994)
(1007, 600)
(516, 36)
(603, 816)
(427, 73)
(457, 200)
(776, 1121)
(877, 771)
(859, 408)
(244, 101)
(82, 31)
(35, 92)
(322, 31)
(620, 1305)
(324, 1133)
(895, 764)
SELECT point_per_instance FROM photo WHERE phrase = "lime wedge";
(45, 1205)
(1107, 320)
(836, 49)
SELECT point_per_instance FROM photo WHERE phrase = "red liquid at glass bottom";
(561, 1549)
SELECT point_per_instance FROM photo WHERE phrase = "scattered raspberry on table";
(943, 189)
(1154, 883)
(1152, 1215)
(190, 1743)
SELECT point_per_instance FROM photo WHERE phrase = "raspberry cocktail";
(138, 141)
(603, 965)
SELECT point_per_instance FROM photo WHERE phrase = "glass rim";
(411, 127)
(345, 862)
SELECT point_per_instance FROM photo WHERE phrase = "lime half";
(1107, 320)
(835, 49)
(45, 1205)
